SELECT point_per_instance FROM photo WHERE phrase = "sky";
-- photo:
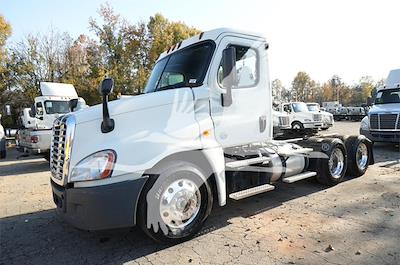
(349, 38)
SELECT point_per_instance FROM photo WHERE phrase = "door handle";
(262, 122)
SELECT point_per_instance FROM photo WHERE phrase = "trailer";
(201, 133)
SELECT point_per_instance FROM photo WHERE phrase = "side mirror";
(228, 74)
(39, 112)
(73, 103)
(107, 86)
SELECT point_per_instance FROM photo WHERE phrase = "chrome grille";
(373, 121)
(284, 121)
(389, 121)
(317, 117)
(61, 143)
(58, 148)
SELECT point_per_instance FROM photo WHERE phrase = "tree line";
(118, 48)
(304, 88)
(127, 52)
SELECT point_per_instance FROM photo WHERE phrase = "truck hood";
(385, 108)
(131, 104)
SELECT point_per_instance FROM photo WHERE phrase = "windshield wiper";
(178, 85)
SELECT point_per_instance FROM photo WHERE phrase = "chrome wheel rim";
(336, 163)
(362, 156)
(296, 126)
(180, 203)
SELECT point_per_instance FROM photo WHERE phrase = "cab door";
(249, 117)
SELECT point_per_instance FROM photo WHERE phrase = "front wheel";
(175, 203)
(297, 125)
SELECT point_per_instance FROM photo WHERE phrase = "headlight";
(99, 165)
(364, 124)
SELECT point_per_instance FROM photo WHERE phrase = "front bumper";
(32, 151)
(382, 136)
(312, 125)
(100, 207)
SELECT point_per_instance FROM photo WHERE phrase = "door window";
(246, 67)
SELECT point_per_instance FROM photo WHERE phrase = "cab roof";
(208, 35)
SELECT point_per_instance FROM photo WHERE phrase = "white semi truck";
(383, 121)
(327, 118)
(201, 133)
(301, 118)
(34, 136)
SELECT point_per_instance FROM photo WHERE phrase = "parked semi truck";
(301, 118)
(327, 118)
(201, 133)
(383, 121)
(34, 136)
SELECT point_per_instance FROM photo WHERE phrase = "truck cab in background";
(34, 136)
(301, 118)
(201, 132)
(383, 121)
(327, 118)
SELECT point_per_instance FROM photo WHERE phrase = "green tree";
(304, 87)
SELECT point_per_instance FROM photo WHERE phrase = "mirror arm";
(108, 124)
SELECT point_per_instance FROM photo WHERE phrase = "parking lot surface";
(355, 222)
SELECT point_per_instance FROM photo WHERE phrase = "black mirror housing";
(229, 75)
(107, 86)
(73, 103)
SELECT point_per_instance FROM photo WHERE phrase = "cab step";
(247, 162)
(304, 175)
(251, 192)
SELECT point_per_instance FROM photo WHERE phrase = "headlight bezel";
(85, 169)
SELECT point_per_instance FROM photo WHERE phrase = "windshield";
(53, 106)
(300, 107)
(313, 107)
(388, 96)
(183, 68)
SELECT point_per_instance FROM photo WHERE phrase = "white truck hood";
(385, 108)
(131, 104)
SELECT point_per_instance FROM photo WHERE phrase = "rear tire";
(332, 168)
(174, 204)
(359, 155)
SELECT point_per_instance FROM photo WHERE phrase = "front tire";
(297, 125)
(175, 203)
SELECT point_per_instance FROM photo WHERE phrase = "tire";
(297, 125)
(324, 129)
(157, 219)
(359, 155)
(3, 149)
(335, 153)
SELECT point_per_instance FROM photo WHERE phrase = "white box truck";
(34, 136)
(201, 133)
(383, 121)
